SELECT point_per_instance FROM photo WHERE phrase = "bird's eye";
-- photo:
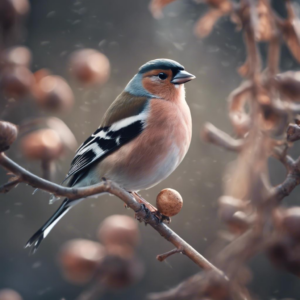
(162, 76)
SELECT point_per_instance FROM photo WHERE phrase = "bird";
(143, 137)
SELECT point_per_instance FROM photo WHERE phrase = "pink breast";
(156, 152)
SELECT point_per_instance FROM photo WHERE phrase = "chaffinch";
(143, 137)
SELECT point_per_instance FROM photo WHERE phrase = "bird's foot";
(163, 218)
(150, 209)
(35, 241)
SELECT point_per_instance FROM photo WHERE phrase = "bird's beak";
(182, 77)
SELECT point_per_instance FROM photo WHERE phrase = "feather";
(105, 140)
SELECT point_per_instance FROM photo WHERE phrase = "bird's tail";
(37, 238)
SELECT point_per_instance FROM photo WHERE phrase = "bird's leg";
(152, 209)
(141, 200)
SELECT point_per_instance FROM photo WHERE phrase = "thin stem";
(5, 188)
(162, 257)
(218, 137)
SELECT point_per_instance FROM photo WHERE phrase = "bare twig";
(5, 188)
(162, 257)
(285, 159)
(218, 137)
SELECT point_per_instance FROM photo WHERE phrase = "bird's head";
(159, 78)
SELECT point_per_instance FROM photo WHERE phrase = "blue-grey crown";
(161, 63)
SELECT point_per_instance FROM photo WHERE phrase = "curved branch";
(220, 138)
(108, 186)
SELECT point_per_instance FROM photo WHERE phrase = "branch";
(108, 186)
(162, 257)
(285, 159)
(218, 137)
(5, 188)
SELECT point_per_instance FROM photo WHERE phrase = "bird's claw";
(162, 218)
(136, 215)
(157, 215)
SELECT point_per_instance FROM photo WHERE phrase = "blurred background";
(129, 36)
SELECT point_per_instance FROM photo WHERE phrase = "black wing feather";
(96, 148)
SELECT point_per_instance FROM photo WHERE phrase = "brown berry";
(231, 211)
(90, 67)
(16, 81)
(79, 260)
(123, 250)
(8, 294)
(119, 230)
(288, 85)
(20, 7)
(117, 271)
(40, 74)
(228, 206)
(169, 202)
(8, 134)
(43, 144)
(17, 56)
(53, 93)
(64, 132)
(291, 221)
(284, 253)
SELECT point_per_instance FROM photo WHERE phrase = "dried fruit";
(8, 294)
(16, 81)
(79, 260)
(288, 85)
(64, 132)
(119, 230)
(8, 134)
(43, 144)
(117, 271)
(231, 211)
(47, 145)
(290, 221)
(90, 67)
(169, 202)
(40, 74)
(17, 56)
(53, 93)
(284, 252)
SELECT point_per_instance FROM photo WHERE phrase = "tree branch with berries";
(250, 206)
(47, 139)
